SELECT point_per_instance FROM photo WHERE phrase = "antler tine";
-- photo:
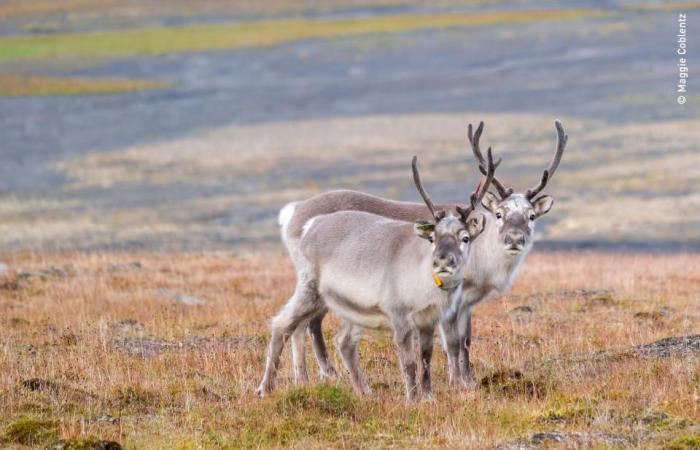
(474, 141)
(562, 139)
(419, 186)
(478, 195)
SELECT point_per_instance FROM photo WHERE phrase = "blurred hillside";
(167, 125)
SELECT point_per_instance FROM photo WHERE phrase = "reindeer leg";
(403, 337)
(325, 366)
(465, 327)
(347, 341)
(303, 305)
(301, 375)
(449, 336)
(425, 336)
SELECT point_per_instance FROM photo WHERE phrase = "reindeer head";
(450, 235)
(514, 212)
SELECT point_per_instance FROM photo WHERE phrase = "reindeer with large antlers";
(495, 260)
(492, 265)
(373, 273)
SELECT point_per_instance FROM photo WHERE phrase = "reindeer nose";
(444, 261)
(515, 238)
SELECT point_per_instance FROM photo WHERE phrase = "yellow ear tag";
(437, 280)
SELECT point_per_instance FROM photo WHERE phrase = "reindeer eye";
(532, 216)
(465, 239)
(499, 215)
(430, 239)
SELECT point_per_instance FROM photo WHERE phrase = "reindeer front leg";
(403, 337)
(465, 339)
(425, 336)
(449, 335)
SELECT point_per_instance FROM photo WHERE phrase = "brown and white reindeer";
(373, 273)
(492, 266)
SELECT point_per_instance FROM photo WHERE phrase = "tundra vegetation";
(93, 351)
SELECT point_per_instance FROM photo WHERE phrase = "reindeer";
(373, 273)
(492, 266)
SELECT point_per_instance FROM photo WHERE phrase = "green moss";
(332, 400)
(660, 421)
(565, 410)
(136, 398)
(155, 41)
(687, 442)
(28, 431)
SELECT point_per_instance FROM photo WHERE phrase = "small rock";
(133, 265)
(522, 314)
(671, 346)
(568, 439)
(93, 444)
(182, 298)
(48, 272)
(522, 309)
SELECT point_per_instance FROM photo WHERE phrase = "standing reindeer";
(492, 265)
(373, 273)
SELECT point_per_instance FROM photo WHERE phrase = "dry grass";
(119, 359)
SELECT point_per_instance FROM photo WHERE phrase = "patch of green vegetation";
(21, 85)
(137, 398)
(687, 442)
(569, 411)
(28, 431)
(326, 399)
(660, 421)
(266, 427)
(156, 41)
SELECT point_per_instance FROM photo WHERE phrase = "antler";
(421, 191)
(562, 138)
(478, 195)
(474, 141)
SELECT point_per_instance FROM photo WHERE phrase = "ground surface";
(193, 128)
(165, 350)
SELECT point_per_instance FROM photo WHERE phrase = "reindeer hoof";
(428, 397)
(263, 390)
(329, 374)
(468, 383)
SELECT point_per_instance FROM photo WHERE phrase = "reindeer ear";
(423, 229)
(475, 226)
(490, 201)
(542, 205)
